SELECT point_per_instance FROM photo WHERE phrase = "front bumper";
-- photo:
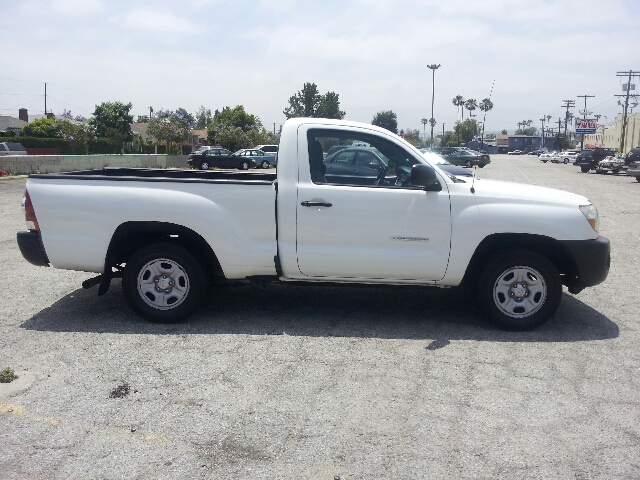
(591, 261)
(32, 248)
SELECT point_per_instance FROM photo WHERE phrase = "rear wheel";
(584, 169)
(566, 160)
(481, 165)
(467, 164)
(204, 166)
(637, 179)
(520, 290)
(244, 165)
(163, 283)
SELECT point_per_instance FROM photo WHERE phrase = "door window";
(345, 157)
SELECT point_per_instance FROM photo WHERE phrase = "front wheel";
(584, 169)
(265, 164)
(244, 165)
(163, 283)
(566, 160)
(637, 179)
(467, 164)
(520, 290)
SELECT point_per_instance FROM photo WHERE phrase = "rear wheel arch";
(130, 237)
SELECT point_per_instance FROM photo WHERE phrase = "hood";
(496, 189)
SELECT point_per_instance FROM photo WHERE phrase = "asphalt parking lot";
(311, 382)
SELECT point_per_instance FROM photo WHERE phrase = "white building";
(609, 136)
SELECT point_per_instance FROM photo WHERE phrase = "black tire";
(265, 164)
(244, 165)
(541, 291)
(544, 161)
(637, 179)
(584, 169)
(481, 165)
(146, 266)
(566, 160)
(204, 165)
(467, 164)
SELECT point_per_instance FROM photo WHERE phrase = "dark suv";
(589, 159)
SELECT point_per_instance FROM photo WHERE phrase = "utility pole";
(542, 131)
(442, 141)
(567, 104)
(584, 112)
(432, 121)
(629, 75)
(45, 99)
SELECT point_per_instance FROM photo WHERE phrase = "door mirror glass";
(425, 176)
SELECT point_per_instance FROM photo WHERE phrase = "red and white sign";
(586, 125)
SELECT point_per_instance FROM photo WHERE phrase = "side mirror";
(425, 176)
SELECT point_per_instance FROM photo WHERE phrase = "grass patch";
(7, 375)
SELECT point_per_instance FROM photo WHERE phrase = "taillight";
(479, 157)
(29, 212)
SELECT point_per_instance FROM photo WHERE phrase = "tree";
(237, 117)
(386, 119)
(466, 130)
(75, 130)
(486, 105)
(169, 126)
(41, 128)
(114, 118)
(329, 106)
(413, 136)
(234, 128)
(470, 104)
(203, 118)
(504, 132)
(308, 102)
(458, 101)
(525, 128)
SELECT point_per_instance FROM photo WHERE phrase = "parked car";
(611, 164)
(568, 156)
(334, 149)
(273, 149)
(589, 159)
(221, 158)
(466, 158)
(632, 160)
(10, 148)
(261, 159)
(515, 152)
(632, 156)
(449, 168)
(547, 156)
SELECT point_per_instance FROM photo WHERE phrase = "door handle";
(315, 204)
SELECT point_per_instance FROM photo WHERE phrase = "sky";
(374, 54)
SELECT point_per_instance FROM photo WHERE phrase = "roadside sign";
(586, 126)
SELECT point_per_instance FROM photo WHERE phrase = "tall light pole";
(432, 121)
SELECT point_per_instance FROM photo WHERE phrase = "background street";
(312, 382)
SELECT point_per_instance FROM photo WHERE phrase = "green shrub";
(7, 375)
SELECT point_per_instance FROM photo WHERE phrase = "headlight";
(590, 212)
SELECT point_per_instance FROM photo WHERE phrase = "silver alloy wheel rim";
(245, 166)
(205, 166)
(163, 284)
(519, 292)
(265, 164)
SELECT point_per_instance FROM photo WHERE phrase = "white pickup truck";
(384, 214)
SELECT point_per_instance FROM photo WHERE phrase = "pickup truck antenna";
(473, 182)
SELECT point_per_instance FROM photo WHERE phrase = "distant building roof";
(10, 122)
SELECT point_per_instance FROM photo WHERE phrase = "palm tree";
(471, 104)
(458, 101)
(486, 105)
(424, 124)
